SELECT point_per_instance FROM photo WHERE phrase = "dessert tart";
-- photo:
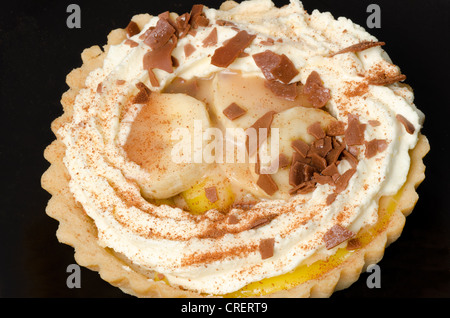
(243, 151)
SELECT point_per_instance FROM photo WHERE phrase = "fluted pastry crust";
(78, 230)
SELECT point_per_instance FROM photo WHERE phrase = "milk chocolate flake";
(316, 130)
(211, 194)
(300, 146)
(342, 181)
(197, 17)
(314, 90)
(266, 183)
(266, 247)
(143, 95)
(386, 80)
(296, 174)
(283, 161)
(354, 134)
(226, 54)
(331, 198)
(375, 146)
(160, 35)
(359, 47)
(275, 66)
(336, 235)
(182, 25)
(189, 49)
(336, 128)
(263, 122)
(406, 123)
(234, 111)
(285, 91)
(211, 39)
(132, 29)
(161, 58)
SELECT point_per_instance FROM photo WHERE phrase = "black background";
(37, 50)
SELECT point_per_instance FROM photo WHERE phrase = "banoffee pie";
(243, 151)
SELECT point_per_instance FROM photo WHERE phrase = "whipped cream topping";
(180, 245)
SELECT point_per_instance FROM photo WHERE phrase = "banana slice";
(164, 140)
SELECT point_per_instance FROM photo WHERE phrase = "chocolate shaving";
(342, 181)
(225, 23)
(286, 91)
(143, 95)
(189, 49)
(153, 79)
(261, 221)
(211, 39)
(268, 42)
(275, 66)
(318, 162)
(296, 174)
(316, 130)
(298, 157)
(354, 134)
(386, 80)
(234, 111)
(336, 235)
(309, 172)
(314, 90)
(182, 25)
(322, 146)
(283, 161)
(132, 29)
(266, 247)
(336, 128)
(160, 35)
(263, 122)
(161, 58)
(330, 198)
(197, 17)
(226, 54)
(374, 146)
(303, 188)
(359, 47)
(330, 170)
(300, 146)
(321, 179)
(350, 158)
(333, 154)
(406, 123)
(211, 194)
(266, 183)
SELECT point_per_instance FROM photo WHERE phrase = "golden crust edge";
(76, 229)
